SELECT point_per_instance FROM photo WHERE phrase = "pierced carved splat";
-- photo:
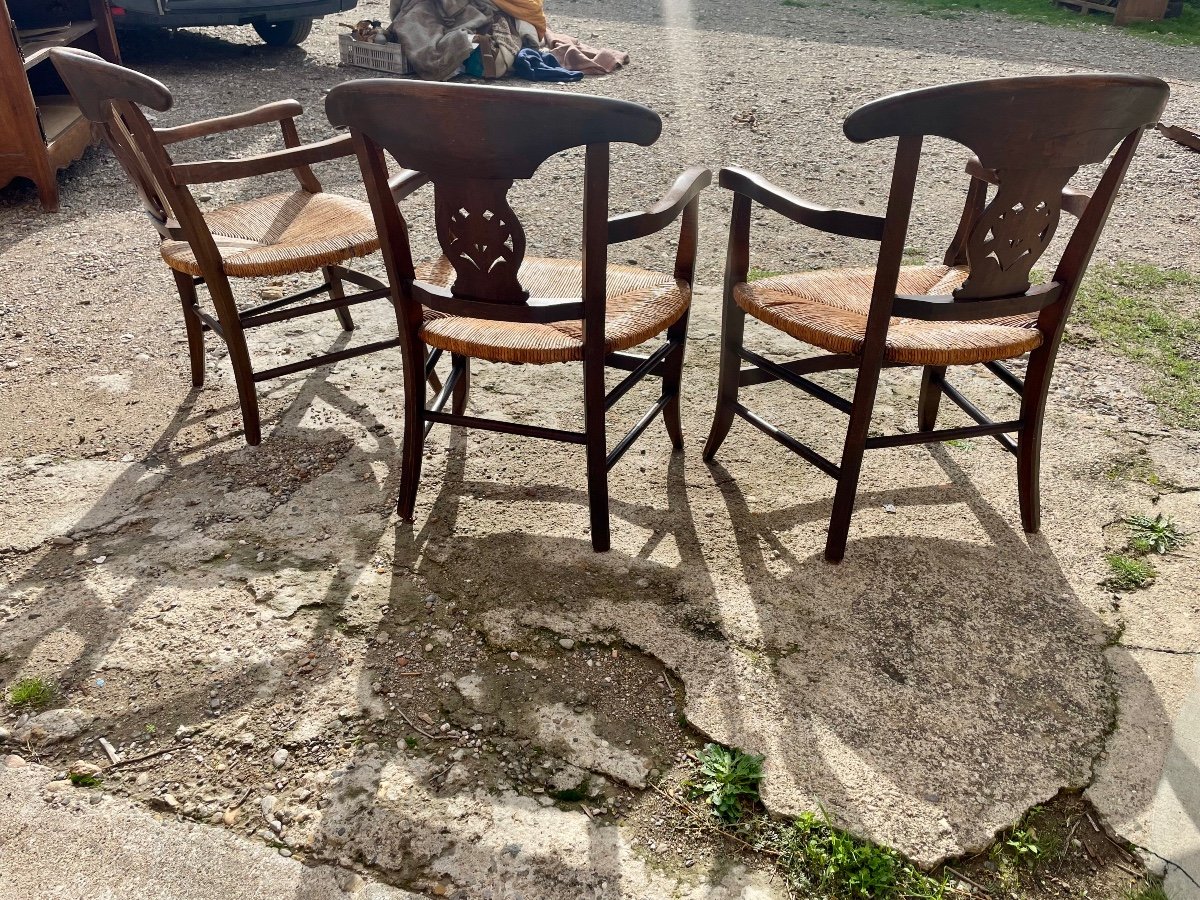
(482, 238)
(1013, 232)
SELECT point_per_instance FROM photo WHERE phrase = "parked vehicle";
(281, 23)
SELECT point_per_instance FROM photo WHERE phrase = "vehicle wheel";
(284, 34)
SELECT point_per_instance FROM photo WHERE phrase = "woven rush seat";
(640, 305)
(282, 234)
(829, 310)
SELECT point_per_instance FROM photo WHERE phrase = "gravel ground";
(228, 593)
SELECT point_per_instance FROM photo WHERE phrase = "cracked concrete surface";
(441, 689)
(948, 676)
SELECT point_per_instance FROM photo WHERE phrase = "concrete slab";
(60, 841)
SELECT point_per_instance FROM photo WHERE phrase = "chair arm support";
(406, 182)
(262, 115)
(232, 169)
(1074, 201)
(843, 222)
(653, 219)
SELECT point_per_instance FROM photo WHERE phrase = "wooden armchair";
(484, 298)
(278, 234)
(1029, 137)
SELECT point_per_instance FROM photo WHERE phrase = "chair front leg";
(931, 397)
(852, 454)
(338, 292)
(672, 380)
(462, 387)
(413, 351)
(597, 446)
(733, 325)
(239, 355)
(191, 322)
(1029, 441)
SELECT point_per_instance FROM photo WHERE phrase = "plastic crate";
(368, 55)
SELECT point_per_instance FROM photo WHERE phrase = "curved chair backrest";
(110, 95)
(1030, 136)
(473, 142)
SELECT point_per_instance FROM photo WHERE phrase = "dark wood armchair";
(485, 298)
(1029, 136)
(279, 234)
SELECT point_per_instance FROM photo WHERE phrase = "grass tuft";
(1185, 29)
(32, 693)
(1124, 305)
(1129, 572)
(85, 780)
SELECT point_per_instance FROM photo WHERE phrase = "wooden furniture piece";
(41, 128)
(484, 298)
(1124, 12)
(278, 234)
(1029, 136)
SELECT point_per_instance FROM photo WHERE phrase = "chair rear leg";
(733, 326)
(191, 322)
(597, 448)
(462, 390)
(931, 397)
(672, 380)
(1029, 441)
(337, 291)
(414, 427)
(852, 456)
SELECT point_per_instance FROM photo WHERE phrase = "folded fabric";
(537, 66)
(580, 57)
(437, 34)
(531, 11)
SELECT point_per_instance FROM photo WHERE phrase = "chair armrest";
(406, 182)
(653, 219)
(844, 222)
(232, 169)
(262, 115)
(1074, 201)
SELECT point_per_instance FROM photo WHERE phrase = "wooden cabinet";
(41, 129)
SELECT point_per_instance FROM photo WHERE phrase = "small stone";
(62, 540)
(169, 801)
(284, 851)
(351, 882)
(230, 817)
(279, 758)
(53, 727)
(514, 656)
(98, 560)
(84, 769)
(889, 507)
(566, 643)
(142, 779)
(643, 582)
(57, 787)
(12, 761)
(302, 795)
(267, 805)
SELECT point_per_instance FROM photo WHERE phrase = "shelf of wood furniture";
(41, 129)
(1123, 11)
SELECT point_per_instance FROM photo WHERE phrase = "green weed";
(728, 779)
(32, 693)
(1158, 535)
(80, 779)
(1129, 572)
(1134, 469)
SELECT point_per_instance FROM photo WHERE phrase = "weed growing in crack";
(1150, 890)
(1158, 535)
(1129, 572)
(32, 693)
(820, 859)
(728, 779)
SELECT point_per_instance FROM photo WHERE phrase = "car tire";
(291, 33)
